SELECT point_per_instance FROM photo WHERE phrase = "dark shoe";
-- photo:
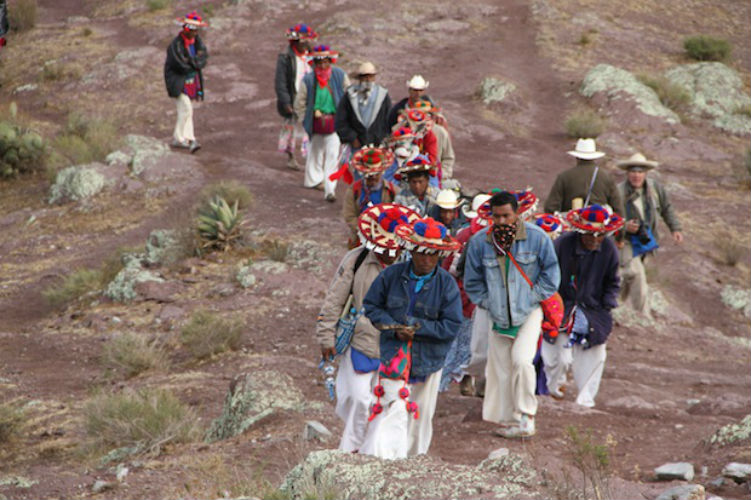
(467, 386)
(330, 198)
(292, 163)
(194, 146)
(480, 388)
(180, 145)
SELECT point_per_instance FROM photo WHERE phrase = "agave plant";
(219, 225)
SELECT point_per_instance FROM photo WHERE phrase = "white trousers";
(510, 372)
(478, 344)
(556, 360)
(321, 162)
(587, 367)
(184, 125)
(395, 433)
(634, 286)
(354, 395)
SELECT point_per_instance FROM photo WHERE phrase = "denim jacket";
(483, 278)
(438, 311)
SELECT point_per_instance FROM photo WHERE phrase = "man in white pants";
(499, 264)
(358, 369)
(316, 102)
(589, 287)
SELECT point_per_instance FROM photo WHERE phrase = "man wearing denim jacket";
(493, 282)
(415, 301)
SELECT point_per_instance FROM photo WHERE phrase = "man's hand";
(678, 237)
(328, 352)
(356, 143)
(632, 226)
(289, 109)
(404, 333)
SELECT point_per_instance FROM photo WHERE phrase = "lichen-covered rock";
(348, 475)
(160, 245)
(717, 91)
(251, 397)
(618, 84)
(246, 277)
(269, 266)
(494, 90)
(737, 298)
(122, 288)
(146, 152)
(683, 492)
(76, 183)
(732, 433)
(309, 255)
(117, 158)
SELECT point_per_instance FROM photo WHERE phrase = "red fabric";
(343, 173)
(323, 75)
(462, 237)
(552, 307)
(428, 145)
(187, 41)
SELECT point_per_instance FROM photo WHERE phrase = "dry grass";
(11, 420)
(671, 95)
(74, 286)
(584, 123)
(207, 334)
(707, 48)
(153, 5)
(143, 421)
(131, 354)
(86, 139)
(231, 191)
(275, 250)
(592, 460)
(730, 249)
(22, 15)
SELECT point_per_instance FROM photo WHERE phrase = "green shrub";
(231, 191)
(11, 420)
(86, 139)
(219, 225)
(672, 95)
(207, 334)
(143, 421)
(21, 149)
(74, 286)
(743, 109)
(157, 4)
(22, 15)
(592, 460)
(706, 48)
(584, 123)
(132, 354)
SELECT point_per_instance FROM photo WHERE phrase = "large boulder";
(123, 287)
(146, 152)
(76, 183)
(683, 492)
(716, 91)
(347, 475)
(161, 247)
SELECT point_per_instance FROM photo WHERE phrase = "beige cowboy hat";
(637, 160)
(477, 202)
(367, 68)
(448, 199)
(417, 82)
(586, 149)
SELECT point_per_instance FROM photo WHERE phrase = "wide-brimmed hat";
(417, 82)
(371, 160)
(637, 160)
(526, 202)
(323, 52)
(594, 219)
(376, 226)
(448, 199)
(550, 223)
(427, 236)
(192, 21)
(477, 202)
(301, 32)
(367, 68)
(401, 134)
(586, 149)
(420, 163)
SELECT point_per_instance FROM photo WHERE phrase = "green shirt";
(512, 331)
(324, 101)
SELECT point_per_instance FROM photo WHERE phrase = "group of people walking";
(437, 287)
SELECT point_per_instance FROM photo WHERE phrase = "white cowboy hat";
(448, 199)
(367, 68)
(417, 82)
(586, 149)
(637, 160)
(477, 202)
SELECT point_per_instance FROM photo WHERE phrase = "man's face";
(415, 94)
(424, 263)
(418, 184)
(591, 241)
(323, 63)
(190, 34)
(636, 178)
(503, 214)
(447, 216)
(366, 78)
(373, 180)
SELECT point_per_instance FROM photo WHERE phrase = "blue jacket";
(438, 311)
(484, 283)
(336, 84)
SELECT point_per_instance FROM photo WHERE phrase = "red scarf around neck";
(323, 75)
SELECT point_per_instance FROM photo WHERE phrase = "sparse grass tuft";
(11, 420)
(672, 95)
(707, 48)
(87, 32)
(157, 4)
(86, 139)
(144, 421)
(231, 191)
(207, 334)
(584, 123)
(731, 249)
(208, 11)
(593, 460)
(132, 354)
(275, 250)
(22, 15)
(744, 109)
(73, 287)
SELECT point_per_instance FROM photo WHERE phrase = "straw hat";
(420, 163)
(586, 149)
(448, 199)
(192, 21)
(376, 226)
(417, 82)
(371, 160)
(323, 52)
(637, 160)
(301, 32)
(427, 236)
(367, 68)
(594, 219)
(550, 223)
(526, 202)
(477, 202)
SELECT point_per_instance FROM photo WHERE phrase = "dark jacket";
(3, 19)
(574, 183)
(180, 64)
(336, 83)
(284, 82)
(457, 224)
(438, 310)
(589, 280)
(657, 202)
(396, 109)
(349, 123)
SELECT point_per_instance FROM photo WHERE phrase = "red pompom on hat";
(301, 32)
(595, 219)
(526, 203)
(323, 52)
(192, 21)
(371, 160)
(420, 163)
(377, 225)
(427, 236)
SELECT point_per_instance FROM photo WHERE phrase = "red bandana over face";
(323, 75)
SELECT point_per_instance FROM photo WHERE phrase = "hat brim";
(526, 205)
(456, 205)
(646, 164)
(192, 23)
(405, 171)
(410, 240)
(372, 168)
(373, 236)
(582, 155)
(616, 222)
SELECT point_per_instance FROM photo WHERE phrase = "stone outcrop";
(76, 183)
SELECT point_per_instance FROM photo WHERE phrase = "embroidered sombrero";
(594, 219)
(420, 163)
(526, 201)
(427, 107)
(192, 21)
(551, 224)
(371, 160)
(377, 224)
(301, 32)
(427, 236)
(323, 52)
(401, 134)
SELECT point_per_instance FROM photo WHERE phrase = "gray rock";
(316, 430)
(737, 298)
(447, 26)
(245, 277)
(76, 183)
(29, 87)
(121, 472)
(117, 158)
(716, 91)
(683, 492)
(732, 433)
(269, 267)
(676, 470)
(494, 90)
(717, 482)
(147, 152)
(161, 247)
(498, 453)
(100, 486)
(122, 288)
(740, 473)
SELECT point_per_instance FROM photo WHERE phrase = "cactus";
(219, 225)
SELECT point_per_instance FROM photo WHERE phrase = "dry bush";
(592, 460)
(22, 15)
(707, 48)
(584, 123)
(671, 95)
(86, 139)
(11, 421)
(275, 250)
(730, 247)
(74, 286)
(231, 191)
(153, 5)
(207, 334)
(131, 354)
(143, 421)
